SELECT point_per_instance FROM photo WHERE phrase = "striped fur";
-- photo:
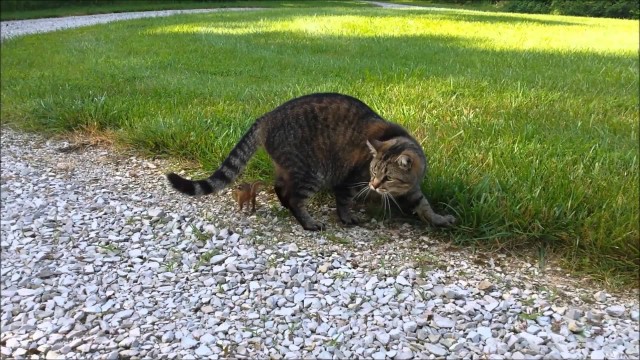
(231, 167)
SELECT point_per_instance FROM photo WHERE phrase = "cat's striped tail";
(231, 167)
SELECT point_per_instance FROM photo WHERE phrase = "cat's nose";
(374, 184)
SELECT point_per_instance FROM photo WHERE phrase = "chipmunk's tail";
(256, 186)
(228, 171)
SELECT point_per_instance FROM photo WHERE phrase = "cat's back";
(322, 109)
(333, 101)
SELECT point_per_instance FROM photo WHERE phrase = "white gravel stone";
(435, 349)
(615, 310)
(531, 339)
(203, 350)
(188, 342)
(404, 354)
(443, 322)
(383, 337)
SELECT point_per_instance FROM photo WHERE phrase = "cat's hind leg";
(293, 190)
(279, 188)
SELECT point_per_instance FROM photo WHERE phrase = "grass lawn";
(530, 122)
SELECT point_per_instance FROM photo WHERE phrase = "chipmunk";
(245, 192)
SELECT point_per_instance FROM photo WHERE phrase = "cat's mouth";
(378, 189)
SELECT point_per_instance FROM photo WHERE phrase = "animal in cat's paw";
(245, 192)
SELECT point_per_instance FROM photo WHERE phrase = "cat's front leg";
(426, 213)
(343, 195)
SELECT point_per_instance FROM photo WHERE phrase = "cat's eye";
(388, 178)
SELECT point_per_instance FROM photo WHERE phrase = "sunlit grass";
(497, 31)
(530, 122)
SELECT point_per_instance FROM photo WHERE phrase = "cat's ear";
(404, 161)
(374, 145)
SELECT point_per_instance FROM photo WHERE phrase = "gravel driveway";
(100, 259)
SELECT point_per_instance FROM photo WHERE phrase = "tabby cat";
(330, 141)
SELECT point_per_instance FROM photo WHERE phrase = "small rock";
(531, 339)
(600, 296)
(127, 342)
(187, 342)
(299, 296)
(485, 285)
(383, 337)
(323, 269)
(218, 259)
(156, 212)
(404, 354)
(435, 349)
(402, 281)
(135, 253)
(615, 310)
(53, 355)
(371, 284)
(533, 329)
(284, 311)
(484, 331)
(443, 322)
(409, 326)
(203, 350)
(168, 337)
(395, 334)
(574, 327)
(207, 339)
(12, 343)
(559, 309)
(454, 292)
(574, 314)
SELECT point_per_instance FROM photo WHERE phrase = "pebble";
(574, 314)
(383, 337)
(203, 350)
(435, 349)
(615, 310)
(443, 322)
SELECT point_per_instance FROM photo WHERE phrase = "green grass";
(530, 122)
(116, 6)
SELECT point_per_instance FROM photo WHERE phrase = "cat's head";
(398, 166)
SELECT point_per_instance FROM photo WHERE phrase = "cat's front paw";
(349, 220)
(445, 221)
(314, 226)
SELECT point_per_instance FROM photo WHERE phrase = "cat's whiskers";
(364, 190)
(395, 202)
(358, 184)
(386, 206)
